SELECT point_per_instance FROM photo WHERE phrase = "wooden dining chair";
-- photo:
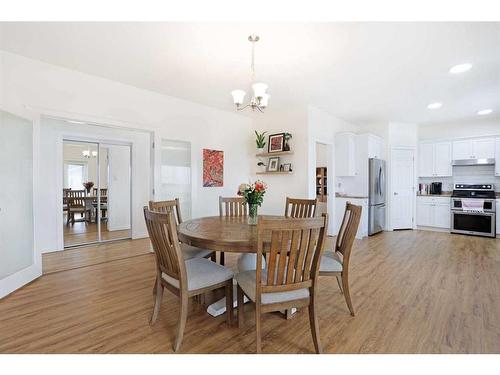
(174, 206)
(76, 204)
(336, 262)
(294, 248)
(65, 204)
(300, 208)
(104, 201)
(233, 207)
(184, 278)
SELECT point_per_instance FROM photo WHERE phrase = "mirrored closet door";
(96, 192)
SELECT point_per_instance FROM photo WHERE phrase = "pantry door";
(403, 188)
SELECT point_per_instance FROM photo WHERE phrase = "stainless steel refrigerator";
(376, 196)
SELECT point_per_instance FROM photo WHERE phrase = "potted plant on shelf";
(260, 140)
(286, 146)
(254, 196)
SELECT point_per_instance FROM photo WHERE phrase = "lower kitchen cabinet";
(340, 203)
(434, 212)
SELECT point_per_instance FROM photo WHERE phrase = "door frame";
(390, 188)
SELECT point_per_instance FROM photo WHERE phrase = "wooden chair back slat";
(347, 232)
(294, 252)
(232, 206)
(74, 196)
(168, 206)
(300, 208)
(162, 229)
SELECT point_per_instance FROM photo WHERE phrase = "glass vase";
(252, 214)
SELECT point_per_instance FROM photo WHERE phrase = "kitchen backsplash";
(479, 174)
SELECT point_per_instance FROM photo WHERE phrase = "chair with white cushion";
(293, 248)
(336, 262)
(184, 278)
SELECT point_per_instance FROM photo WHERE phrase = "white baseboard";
(433, 229)
(13, 282)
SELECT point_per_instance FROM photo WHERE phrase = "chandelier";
(87, 154)
(260, 98)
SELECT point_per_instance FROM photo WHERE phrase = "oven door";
(479, 224)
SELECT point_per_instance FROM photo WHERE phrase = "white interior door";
(403, 192)
(18, 263)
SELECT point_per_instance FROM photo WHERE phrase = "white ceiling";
(362, 72)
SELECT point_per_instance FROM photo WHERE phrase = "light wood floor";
(83, 233)
(413, 291)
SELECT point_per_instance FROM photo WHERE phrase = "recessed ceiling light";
(435, 105)
(484, 112)
(460, 68)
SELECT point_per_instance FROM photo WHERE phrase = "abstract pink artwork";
(213, 168)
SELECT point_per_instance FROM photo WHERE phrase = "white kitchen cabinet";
(374, 147)
(434, 212)
(483, 148)
(497, 158)
(426, 160)
(340, 203)
(462, 150)
(345, 154)
(478, 148)
(435, 159)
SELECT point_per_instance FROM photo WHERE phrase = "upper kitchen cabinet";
(374, 146)
(497, 159)
(435, 159)
(345, 154)
(480, 148)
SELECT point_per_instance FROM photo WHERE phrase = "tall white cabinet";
(435, 159)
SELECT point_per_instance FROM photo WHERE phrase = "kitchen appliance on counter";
(473, 210)
(376, 196)
(436, 188)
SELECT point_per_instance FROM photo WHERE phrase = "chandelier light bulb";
(259, 89)
(238, 96)
(264, 100)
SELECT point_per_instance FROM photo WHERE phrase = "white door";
(403, 188)
(18, 262)
(462, 150)
(484, 148)
(497, 159)
(442, 159)
(426, 160)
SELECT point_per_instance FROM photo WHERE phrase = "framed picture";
(213, 168)
(287, 167)
(276, 142)
(273, 164)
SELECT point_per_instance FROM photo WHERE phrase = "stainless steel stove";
(473, 210)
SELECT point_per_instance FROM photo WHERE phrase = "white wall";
(480, 127)
(33, 88)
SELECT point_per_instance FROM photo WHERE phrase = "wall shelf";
(274, 172)
(271, 154)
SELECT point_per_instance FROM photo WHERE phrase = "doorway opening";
(97, 195)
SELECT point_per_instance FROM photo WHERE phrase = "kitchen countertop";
(443, 194)
(337, 195)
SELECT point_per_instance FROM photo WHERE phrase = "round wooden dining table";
(221, 233)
